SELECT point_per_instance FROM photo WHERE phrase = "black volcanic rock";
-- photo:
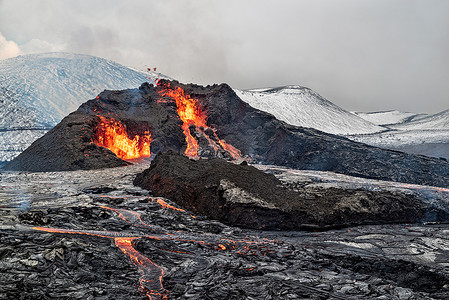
(242, 195)
(406, 261)
(256, 134)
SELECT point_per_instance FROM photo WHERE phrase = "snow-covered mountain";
(417, 133)
(301, 106)
(38, 90)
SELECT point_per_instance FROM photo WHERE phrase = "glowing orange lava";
(166, 205)
(191, 113)
(151, 274)
(112, 134)
(152, 288)
(149, 270)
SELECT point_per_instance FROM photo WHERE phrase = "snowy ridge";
(38, 90)
(395, 139)
(431, 122)
(389, 117)
(417, 133)
(301, 106)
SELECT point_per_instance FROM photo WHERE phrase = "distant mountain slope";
(388, 117)
(301, 106)
(38, 90)
(436, 121)
(417, 134)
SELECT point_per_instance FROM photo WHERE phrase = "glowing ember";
(191, 113)
(112, 134)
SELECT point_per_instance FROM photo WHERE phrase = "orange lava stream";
(235, 153)
(112, 134)
(191, 113)
(152, 274)
(152, 288)
(192, 144)
(166, 205)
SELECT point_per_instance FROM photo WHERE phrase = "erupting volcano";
(208, 122)
(112, 134)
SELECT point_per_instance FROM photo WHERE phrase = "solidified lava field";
(94, 235)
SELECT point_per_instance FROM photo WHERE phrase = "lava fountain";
(191, 113)
(112, 134)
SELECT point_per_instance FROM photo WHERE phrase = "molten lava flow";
(166, 205)
(191, 113)
(152, 288)
(112, 134)
(152, 274)
(149, 270)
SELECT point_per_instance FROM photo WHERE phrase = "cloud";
(8, 49)
(362, 55)
(40, 46)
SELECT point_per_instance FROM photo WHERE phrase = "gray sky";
(364, 55)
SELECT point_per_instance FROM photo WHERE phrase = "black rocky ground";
(242, 195)
(257, 134)
(364, 262)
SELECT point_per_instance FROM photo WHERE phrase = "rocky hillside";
(241, 195)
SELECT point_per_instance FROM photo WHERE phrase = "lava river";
(151, 274)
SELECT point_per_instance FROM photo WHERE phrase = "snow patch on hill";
(417, 134)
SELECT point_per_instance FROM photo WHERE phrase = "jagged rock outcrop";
(242, 195)
(256, 134)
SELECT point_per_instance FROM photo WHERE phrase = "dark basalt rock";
(375, 262)
(242, 195)
(257, 134)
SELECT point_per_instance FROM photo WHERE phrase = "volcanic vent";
(209, 121)
(118, 126)
(113, 135)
